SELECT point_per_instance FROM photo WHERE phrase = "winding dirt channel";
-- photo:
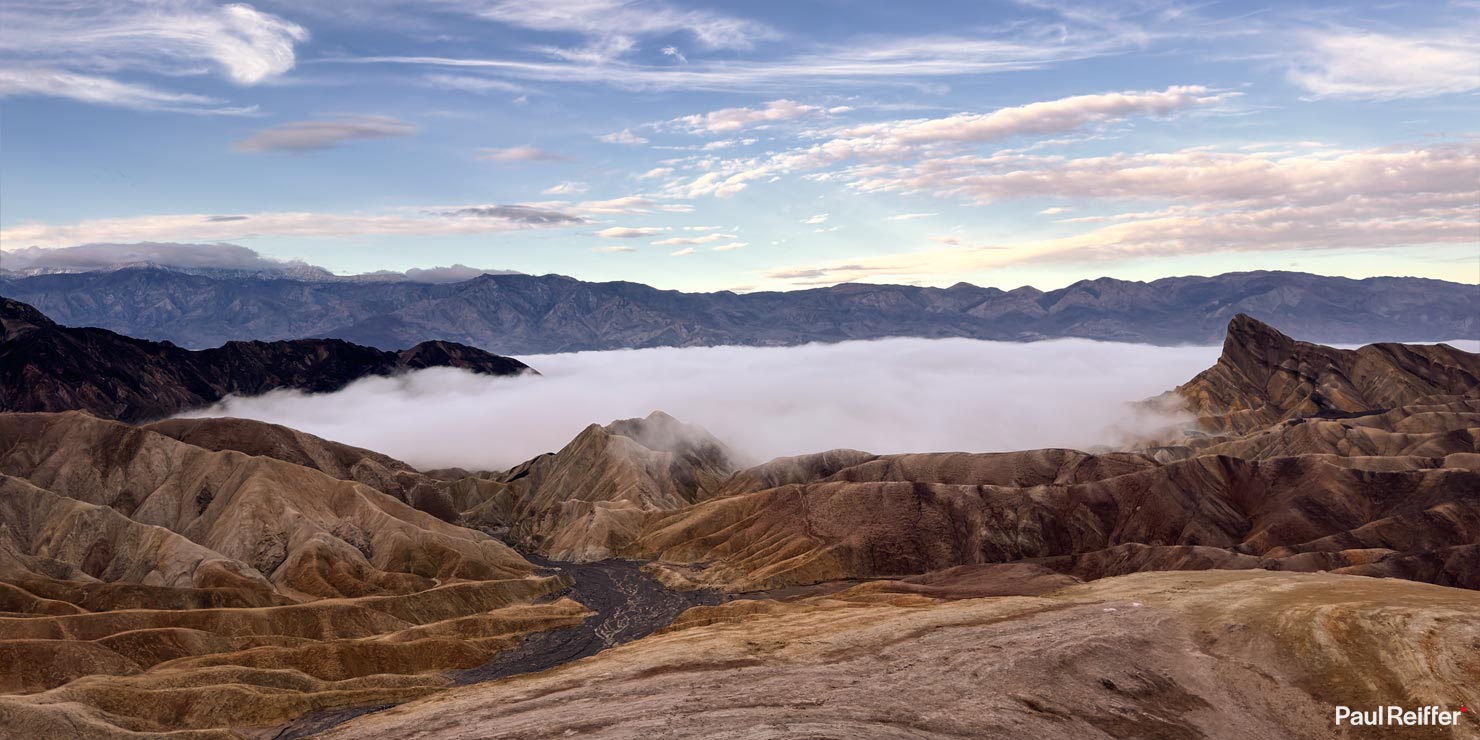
(628, 605)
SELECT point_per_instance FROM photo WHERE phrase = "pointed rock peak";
(18, 318)
(659, 431)
(439, 353)
(1249, 339)
(1247, 330)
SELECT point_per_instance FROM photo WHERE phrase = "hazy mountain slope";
(47, 367)
(519, 314)
(588, 500)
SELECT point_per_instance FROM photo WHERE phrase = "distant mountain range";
(521, 314)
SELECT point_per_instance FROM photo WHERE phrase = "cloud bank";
(208, 258)
(894, 395)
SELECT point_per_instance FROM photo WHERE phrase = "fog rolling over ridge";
(892, 395)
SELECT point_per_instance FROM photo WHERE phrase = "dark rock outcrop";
(48, 367)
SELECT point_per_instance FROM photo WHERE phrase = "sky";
(752, 146)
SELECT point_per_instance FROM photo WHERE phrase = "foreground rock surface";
(1154, 655)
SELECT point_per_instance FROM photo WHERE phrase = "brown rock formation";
(147, 584)
(1264, 377)
(589, 500)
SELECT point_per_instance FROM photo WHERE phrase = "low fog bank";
(893, 395)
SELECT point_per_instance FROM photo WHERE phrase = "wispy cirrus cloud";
(629, 232)
(682, 241)
(603, 19)
(906, 139)
(472, 84)
(902, 61)
(1348, 63)
(70, 49)
(518, 214)
(1200, 175)
(522, 154)
(311, 136)
(1208, 201)
(625, 136)
(566, 188)
(100, 90)
(730, 120)
(198, 227)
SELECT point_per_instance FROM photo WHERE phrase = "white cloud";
(454, 273)
(218, 256)
(521, 154)
(730, 246)
(899, 395)
(1354, 64)
(899, 61)
(682, 252)
(1054, 211)
(566, 188)
(1202, 175)
(107, 91)
(729, 120)
(613, 206)
(603, 19)
(910, 216)
(1210, 201)
(679, 241)
(211, 227)
(628, 232)
(625, 136)
(901, 140)
(678, 56)
(814, 220)
(64, 49)
(613, 250)
(656, 172)
(1047, 117)
(178, 37)
(307, 136)
(90, 257)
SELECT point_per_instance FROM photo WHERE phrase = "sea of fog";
(891, 395)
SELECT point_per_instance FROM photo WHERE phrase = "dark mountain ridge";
(517, 314)
(48, 367)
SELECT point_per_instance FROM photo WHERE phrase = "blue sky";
(762, 145)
